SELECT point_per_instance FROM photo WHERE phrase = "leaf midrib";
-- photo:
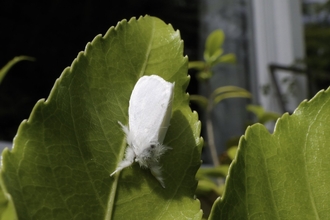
(112, 196)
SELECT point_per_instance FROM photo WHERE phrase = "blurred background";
(281, 48)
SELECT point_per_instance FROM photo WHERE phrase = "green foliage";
(226, 92)
(218, 95)
(213, 55)
(213, 45)
(63, 154)
(4, 70)
(232, 152)
(284, 175)
(207, 177)
(200, 100)
(209, 181)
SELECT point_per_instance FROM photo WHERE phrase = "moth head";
(150, 153)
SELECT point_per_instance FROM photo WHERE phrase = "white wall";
(277, 38)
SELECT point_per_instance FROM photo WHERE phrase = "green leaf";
(232, 152)
(64, 153)
(207, 186)
(198, 65)
(226, 92)
(204, 75)
(220, 171)
(200, 100)
(284, 175)
(211, 59)
(227, 58)
(230, 95)
(207, 179)
(11, 63)
(213, 43)
(227, 89)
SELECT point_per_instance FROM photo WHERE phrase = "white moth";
(149, 113)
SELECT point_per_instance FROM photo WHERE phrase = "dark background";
(53, 32)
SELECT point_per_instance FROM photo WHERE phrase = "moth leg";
(155, 169)
(127, 161)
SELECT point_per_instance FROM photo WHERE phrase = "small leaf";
(204, 75)
(225, 89)
(226, 92)
(200, 100)
(230, 95)
(206, 186)
(284, 175)
(11, 63)
(63, 154)
(232, 152)
(220, 171)
(227, 58)
(213, 43)
(198, 65)
(212, 58)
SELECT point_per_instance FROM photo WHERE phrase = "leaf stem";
(209, 126)
(210, 133)
(113, 191)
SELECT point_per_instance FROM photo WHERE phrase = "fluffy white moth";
(149, 113)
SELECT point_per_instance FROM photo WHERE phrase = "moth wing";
(150, 109)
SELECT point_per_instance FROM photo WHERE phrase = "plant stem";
(210, 133)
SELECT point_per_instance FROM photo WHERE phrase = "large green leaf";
(63, 154)
(213, 46)
(284, 175)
